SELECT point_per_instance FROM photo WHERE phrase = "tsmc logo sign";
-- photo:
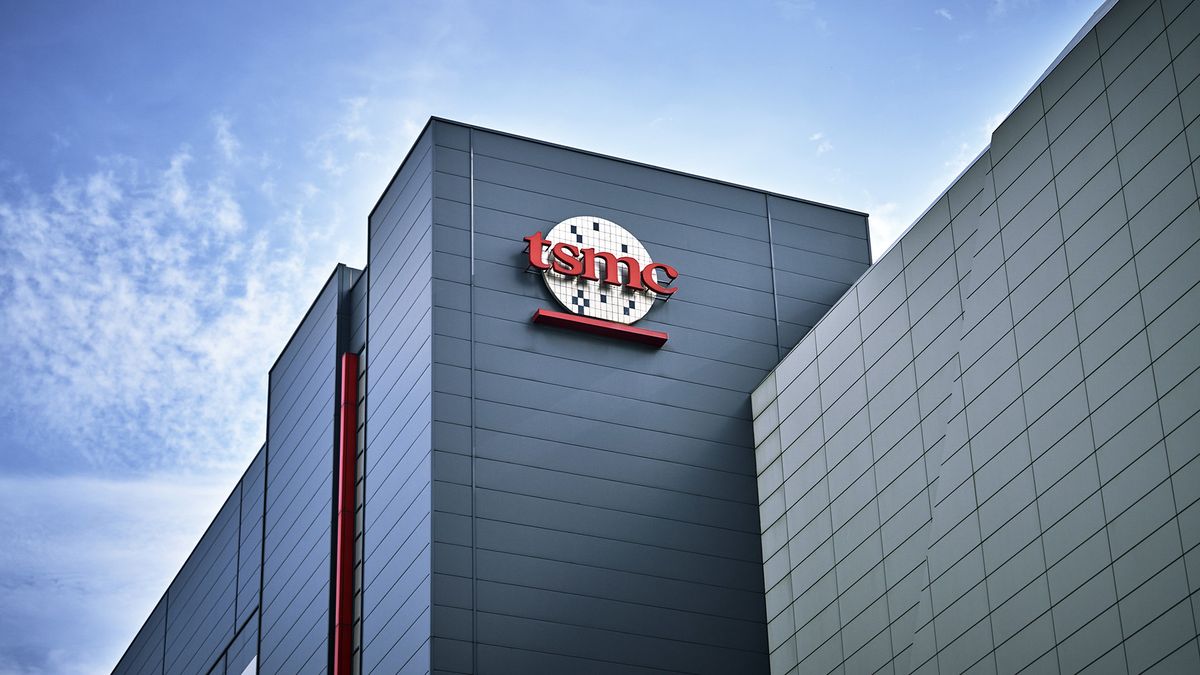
(602, 274)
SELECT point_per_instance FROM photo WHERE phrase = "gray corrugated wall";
(665, 520)
(397, 511)
(1086, 244)
(451, 321)
(250, 548)
(1054, 517)
(242, 650)
(299, 475)
(210, 609)
(614, 525)
(818, 252)
(843, 451)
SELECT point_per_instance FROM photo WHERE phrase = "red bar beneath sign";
(343, 627)
(610, 329)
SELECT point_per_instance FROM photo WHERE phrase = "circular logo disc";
(597, 299)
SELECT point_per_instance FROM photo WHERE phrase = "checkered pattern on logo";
(594, 298)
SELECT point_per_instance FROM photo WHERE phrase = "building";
(530, 498)
(974, 454)
(983, 457)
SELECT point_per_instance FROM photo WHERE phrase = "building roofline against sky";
(1079, 35)
(208, 528)
(601, 155)
(1087, 26)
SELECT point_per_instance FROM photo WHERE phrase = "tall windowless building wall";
(583, 415)
(983, 458)
(529, 498)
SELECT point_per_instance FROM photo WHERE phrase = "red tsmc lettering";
(593, 265)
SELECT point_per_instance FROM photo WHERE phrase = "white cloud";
(887, 222)
(999, 8)
(944, 13)
(955, 165)
(140, 311)
(226, 141)
(824, 145)
(152, 312)
(350, 130)
(890, 220)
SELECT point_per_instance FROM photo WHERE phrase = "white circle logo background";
(593, 298)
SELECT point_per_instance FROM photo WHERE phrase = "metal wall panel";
(243, 650)
(397, 505)
(250, 546)
(1025, 352)
(594, 501)
(201, 599)
(603, 519)
(299, 479)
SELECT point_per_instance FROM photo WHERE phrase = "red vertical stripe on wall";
(343, 627)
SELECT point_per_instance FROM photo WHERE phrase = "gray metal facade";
(531, 499)
(983, 458)
(591, 504)
(221, 614)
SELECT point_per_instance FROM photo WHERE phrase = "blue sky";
(177, 180)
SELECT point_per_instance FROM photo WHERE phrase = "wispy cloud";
(226, 141)
(152, 310)
(824, 145)
(887, 223)
(999, 8)
(351, 129)
(992, 123)
(802, 9)
(944, 13)
(965, 152)
(142, 303)
(141, 309)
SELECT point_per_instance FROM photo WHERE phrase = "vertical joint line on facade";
(471, 187)
(771, 254)
(471, 306)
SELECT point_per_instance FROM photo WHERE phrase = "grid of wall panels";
(250, 547)
(984, 458)
(843, 449)
(594, 502)
(208, 620)
(299, 477)
(396, 508)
